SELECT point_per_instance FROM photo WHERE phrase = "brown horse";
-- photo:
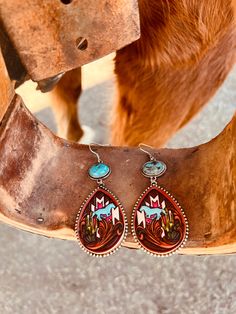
(186, 50)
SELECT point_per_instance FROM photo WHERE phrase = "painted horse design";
(154, 212)
(104, 212)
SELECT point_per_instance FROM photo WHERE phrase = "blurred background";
(40, 275)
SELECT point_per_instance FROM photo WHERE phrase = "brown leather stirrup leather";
(43, 179)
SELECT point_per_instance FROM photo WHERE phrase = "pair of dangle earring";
(101, 224)
(159, 224)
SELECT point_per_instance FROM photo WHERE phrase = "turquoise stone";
(154, 168)
(99, 171)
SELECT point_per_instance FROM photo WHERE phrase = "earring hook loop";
(95, 153)
(145, 151)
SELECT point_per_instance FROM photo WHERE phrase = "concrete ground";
(40, 275)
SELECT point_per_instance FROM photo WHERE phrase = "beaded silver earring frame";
(159, 224)
(101, 223)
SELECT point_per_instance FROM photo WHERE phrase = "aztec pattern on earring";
(101, 224)
(159, 224)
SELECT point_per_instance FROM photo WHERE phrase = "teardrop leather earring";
(101, 224)
(159, 224)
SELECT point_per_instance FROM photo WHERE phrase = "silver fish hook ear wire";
(95, 153)
(145, 151)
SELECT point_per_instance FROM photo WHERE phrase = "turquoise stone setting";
(154, 168)
(99, 171)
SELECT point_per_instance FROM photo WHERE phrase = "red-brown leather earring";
(159, 224)
(101, 224)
